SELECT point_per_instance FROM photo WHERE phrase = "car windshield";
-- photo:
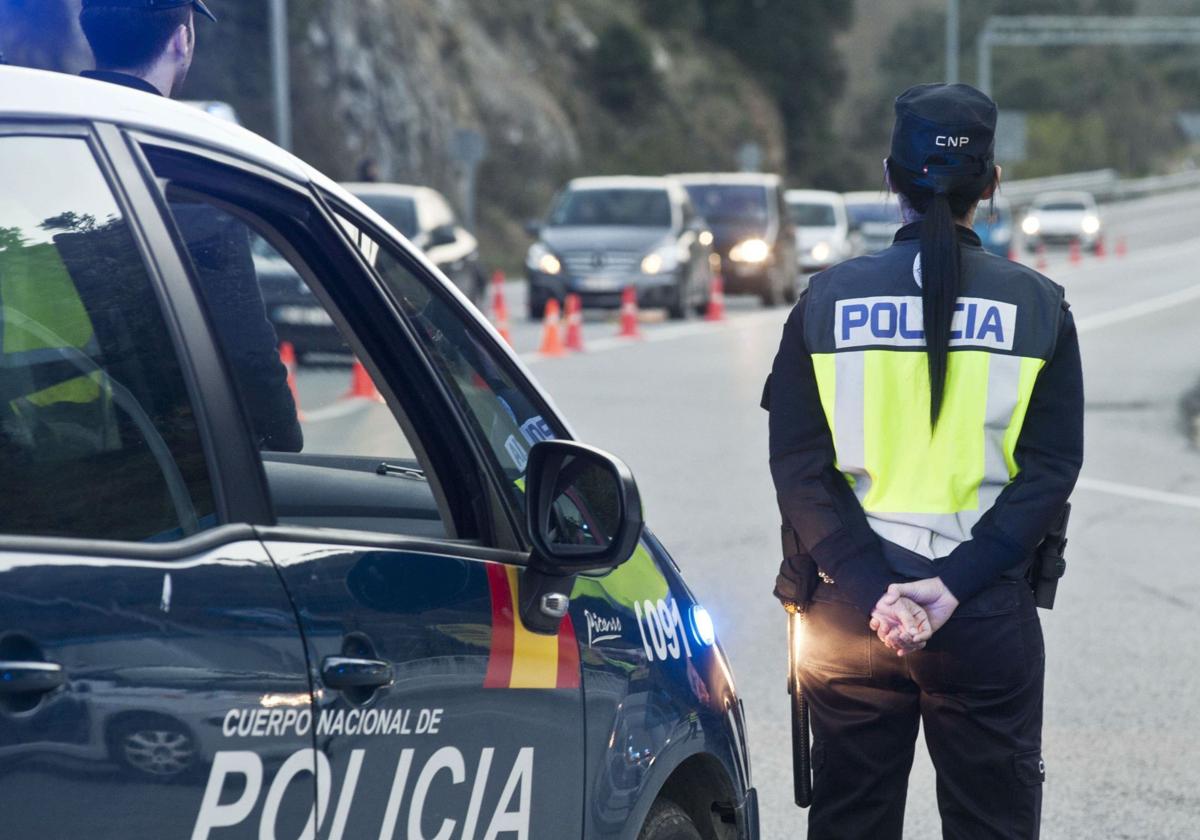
(729, 202)
(1074, 206)
(873, 211)
(812, 214)
(400, 211)
(613, 207)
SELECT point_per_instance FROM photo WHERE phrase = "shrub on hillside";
(622, 67)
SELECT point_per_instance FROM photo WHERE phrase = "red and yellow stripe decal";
(519, 658)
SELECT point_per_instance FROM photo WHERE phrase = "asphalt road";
(1123, 683)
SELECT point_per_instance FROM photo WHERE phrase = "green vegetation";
(1088, 107)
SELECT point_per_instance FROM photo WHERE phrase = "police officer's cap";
(944, 132)
(150, 5)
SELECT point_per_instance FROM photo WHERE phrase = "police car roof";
(620, 182)
(39, 94)
(822, 196)
(757, 179)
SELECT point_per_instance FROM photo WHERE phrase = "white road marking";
(1139, 309)
(1143, 494)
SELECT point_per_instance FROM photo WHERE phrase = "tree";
(791, 48)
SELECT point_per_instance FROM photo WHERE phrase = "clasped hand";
(908, 614)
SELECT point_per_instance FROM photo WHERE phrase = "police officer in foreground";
(926, 430)
(148, 45)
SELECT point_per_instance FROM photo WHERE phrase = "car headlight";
(706, 238)
(821, 252)
(750, 251)
(541, 259)
(1031, 225)
(1090, 224)
(665, 258)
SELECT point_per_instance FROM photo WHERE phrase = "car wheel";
(774, 293)
(537, 308)
(791, 291)
(155, 748)
(680, 308)
(667, 821)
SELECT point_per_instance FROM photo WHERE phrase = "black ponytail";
(941, 263)
(941, 279)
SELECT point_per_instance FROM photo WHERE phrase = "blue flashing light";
(702, 626)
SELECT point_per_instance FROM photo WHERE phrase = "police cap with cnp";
(150, 5)
(945, 132)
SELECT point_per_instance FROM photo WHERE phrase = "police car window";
(507, 419)
(334, 454)
(97, 435)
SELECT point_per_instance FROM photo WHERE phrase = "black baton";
(801, 744)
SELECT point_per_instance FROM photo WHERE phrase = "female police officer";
(926, 420)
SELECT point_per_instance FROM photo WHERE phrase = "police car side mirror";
(534, 227)
(584, 514)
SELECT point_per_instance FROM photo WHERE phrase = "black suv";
(752, 232)
(604, 234)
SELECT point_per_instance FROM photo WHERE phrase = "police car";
(426, 612)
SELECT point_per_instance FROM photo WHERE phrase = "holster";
(1049, 562)
(804, 570)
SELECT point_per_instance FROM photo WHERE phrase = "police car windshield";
(874, 211)
(613, 208)
(400, 212)
(812, 215)
(729, 202)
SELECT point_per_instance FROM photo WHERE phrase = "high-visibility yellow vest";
(42, 312)
(924, 489)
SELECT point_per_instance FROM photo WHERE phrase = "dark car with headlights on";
(606, 234)
(752, 232)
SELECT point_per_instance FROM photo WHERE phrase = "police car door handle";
(30, 677)
(342, 672)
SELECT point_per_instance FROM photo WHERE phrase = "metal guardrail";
(1099, 182)
(1105, 184)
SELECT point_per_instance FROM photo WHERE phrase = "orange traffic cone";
(629, 313)
(716, 300)
(574, 323)
(1122, 247)
(1101, 251)
(1042, 264)
(552, 344)
(1076, 252)
(287, 355)
(362, 387)
(500, 307)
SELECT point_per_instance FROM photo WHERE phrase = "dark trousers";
(977, 687)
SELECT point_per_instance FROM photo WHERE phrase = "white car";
(424, 216)
(1061, 218)
(822, 228)
(874, 219)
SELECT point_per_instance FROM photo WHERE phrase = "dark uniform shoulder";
(1011, 271)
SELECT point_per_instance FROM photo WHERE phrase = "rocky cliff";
(557, 88)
